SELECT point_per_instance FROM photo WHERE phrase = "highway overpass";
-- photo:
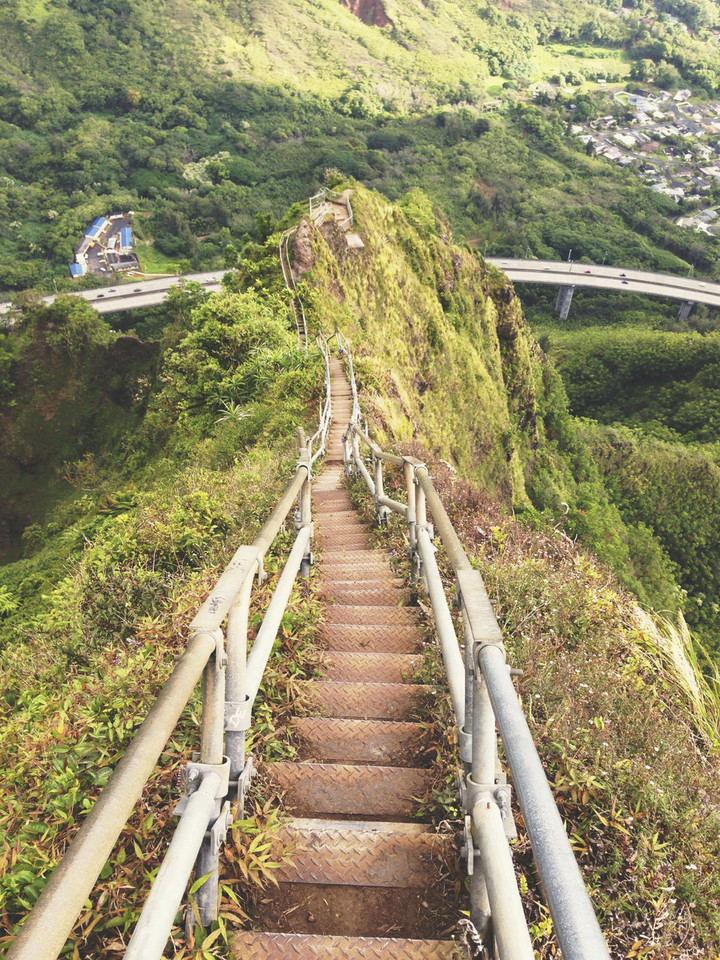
(566, 275)
(138, 293)
(569, 275)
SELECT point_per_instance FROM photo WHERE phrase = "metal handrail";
(336, 197)
(326, 411)
(231, 679)
(483, 696)
(286, 267)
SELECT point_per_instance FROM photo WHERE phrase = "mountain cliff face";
(621, 714)
(439, 338)
(447, 358)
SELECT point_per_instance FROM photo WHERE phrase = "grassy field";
(153, 261)
(557, 58)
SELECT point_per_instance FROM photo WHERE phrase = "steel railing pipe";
(394, 505)
(509, 924)
(258, 658)
(454, 666)
(363, 470)
(276, 519)
(158, 915)
(212, 722)
(574, 919)
(48, 926)
(235, 680)
(443, 524)
(217, 606)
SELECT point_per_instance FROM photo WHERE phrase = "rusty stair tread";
(375, 569)
(337, 853)
(339, 555)
(349, 790)
(352, 596)
(354, 542)
(376, 638)
(372, 559)
(362, 583)
(308, 946)
(370, 667)
(387, 616)
(339, 518)
(365, 701)
(334, 739)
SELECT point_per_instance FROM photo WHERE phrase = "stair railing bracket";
(194, 774)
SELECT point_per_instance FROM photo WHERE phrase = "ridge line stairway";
(364, 878)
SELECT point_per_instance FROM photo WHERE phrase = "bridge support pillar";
(684, 311)
(564, 299)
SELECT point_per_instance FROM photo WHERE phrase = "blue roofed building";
(77, 269)
(126, 239)
(97, 227)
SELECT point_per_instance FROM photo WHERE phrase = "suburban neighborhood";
(672, 144)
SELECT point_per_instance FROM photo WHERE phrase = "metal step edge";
(358, 858)
(362, 826)
(309, 946)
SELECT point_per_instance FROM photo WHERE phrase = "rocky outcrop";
(301, 251)
(371, 12)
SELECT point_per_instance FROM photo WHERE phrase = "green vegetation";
(197, 117)
(623, 720)
(171, 453)
(658, 377)
(101, 597)
(446, 357)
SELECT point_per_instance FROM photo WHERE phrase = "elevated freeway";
(569, 275)
(140, 293)
(558, 273)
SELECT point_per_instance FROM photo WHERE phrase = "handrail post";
(420, 524)
(381, 512)
(355, 453)
(466, 733)
(211, 758)
(509, 926)
(347, 452)
(409, 476)
(303, 516)
(237, 705)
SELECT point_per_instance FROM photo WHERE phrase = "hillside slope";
(93, 613)
(447, 357)
(199, 116)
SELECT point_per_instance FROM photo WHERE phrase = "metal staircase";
(364, 877)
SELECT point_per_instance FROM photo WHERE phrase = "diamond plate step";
(340, 556)
(412, 912)
(378, 639)
(364, 583)
(306, 946)
(337, 517)
(330, 852)
(375, 569)
(384, 616)
(351, 541)
(349, 790)
(365, 701)
(387, 596)
(386, 742)
(340, 523)
(336, 537)
(370, 667)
